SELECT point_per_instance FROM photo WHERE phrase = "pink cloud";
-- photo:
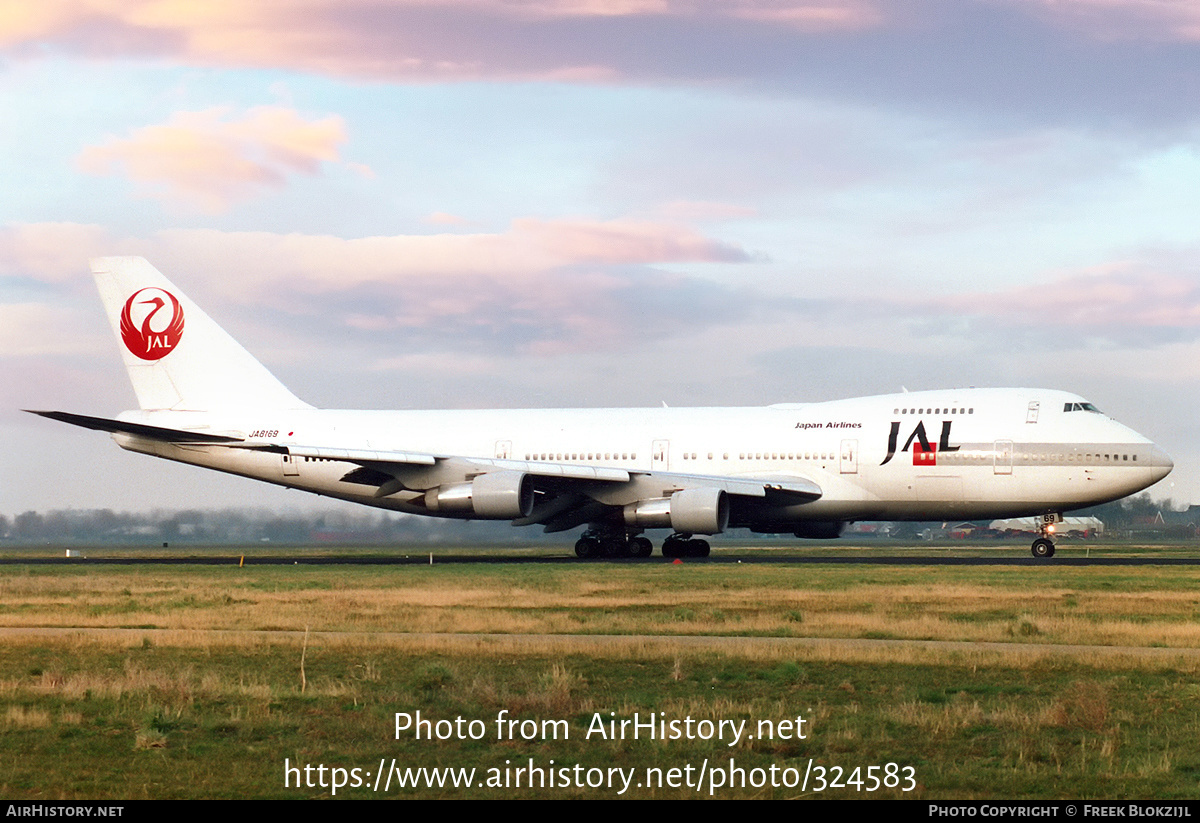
(529, 247)
(50, 252)
(366, 38)
(816, 16)
(542, 286)
(1121, 19)
(38, 329)
(441, 218)
(623, 241)
(1115, 295)
(207, 161)
(57, 252)
(548, 9)
(686, 210)
(22, 23)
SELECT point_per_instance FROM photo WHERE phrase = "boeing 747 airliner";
(806, 469)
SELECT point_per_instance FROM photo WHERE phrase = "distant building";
(1083, 526)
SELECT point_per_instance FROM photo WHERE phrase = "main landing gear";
(595, 543)
(684, 545)
(609, 544)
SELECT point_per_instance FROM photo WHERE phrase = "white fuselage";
(807, 469)
(954, 454)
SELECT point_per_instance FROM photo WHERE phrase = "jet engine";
(502, 495)
(689, 511)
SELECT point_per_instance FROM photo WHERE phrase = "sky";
(545, 203)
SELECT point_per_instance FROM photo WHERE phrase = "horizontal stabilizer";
(137, 429)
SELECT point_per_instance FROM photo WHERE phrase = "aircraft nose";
(1159, 463)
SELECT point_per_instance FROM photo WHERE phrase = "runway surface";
(301, 558)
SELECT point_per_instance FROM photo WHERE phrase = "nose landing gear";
(1043, 546)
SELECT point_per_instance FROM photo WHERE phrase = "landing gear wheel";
(586, 547)
(615, 546)
(1042, 548)
(681, 545)
(640, 547)
(674, 546)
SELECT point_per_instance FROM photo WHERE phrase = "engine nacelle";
(700, 511)
(502, 495)
(690, 511)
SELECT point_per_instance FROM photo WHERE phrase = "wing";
(559, 496)
(565, 495)
(159, 433)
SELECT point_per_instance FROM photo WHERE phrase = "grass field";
(977, 682)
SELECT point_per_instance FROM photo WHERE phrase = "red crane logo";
(157, 335)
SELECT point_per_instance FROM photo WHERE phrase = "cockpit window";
(1070, 407)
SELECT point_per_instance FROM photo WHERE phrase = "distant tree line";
(245, 526)
(1141, 510)
(1132, 515)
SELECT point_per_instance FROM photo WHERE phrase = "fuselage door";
(1031, 415)
(660, 456)
(503, 449)
(849, 457)
(1004, 457)
(290, 467)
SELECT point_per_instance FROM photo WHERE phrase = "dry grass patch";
(1082, 705)
(27, 717)
(171, 687)
(615, 647)
(1077, 606)
(147, 739)
(206, 720)
(1008, 605)
(556, 692)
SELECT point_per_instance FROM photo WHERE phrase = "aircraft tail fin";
(176, 355)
